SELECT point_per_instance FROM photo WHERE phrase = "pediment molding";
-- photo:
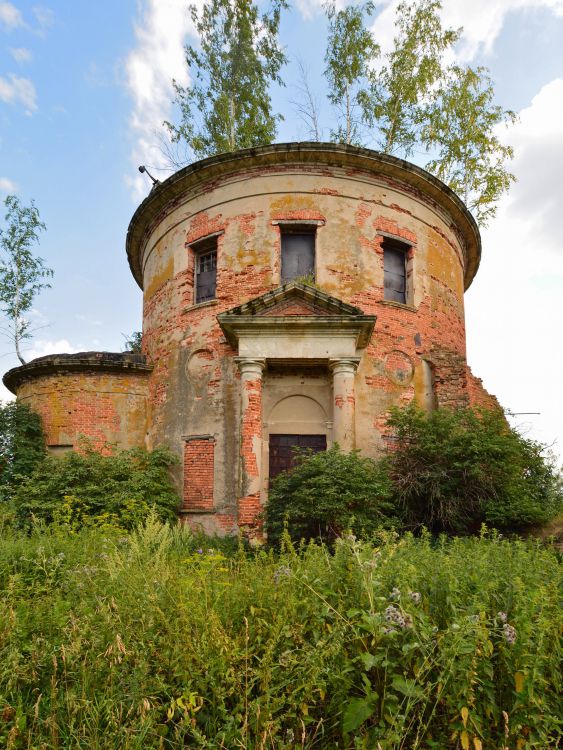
(315, 316)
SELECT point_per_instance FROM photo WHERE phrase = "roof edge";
(86, 361)
(164, 195)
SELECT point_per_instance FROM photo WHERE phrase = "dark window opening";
(282, 450)
(205, 257)
(395, 271)
(297, 253)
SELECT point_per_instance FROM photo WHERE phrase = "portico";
(313, 342)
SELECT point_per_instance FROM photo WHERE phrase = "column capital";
(345, 365)
(251, 366)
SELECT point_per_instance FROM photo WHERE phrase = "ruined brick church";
(291, 294)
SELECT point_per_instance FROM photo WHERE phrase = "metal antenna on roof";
(144, 170)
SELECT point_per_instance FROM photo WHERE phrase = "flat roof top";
(164, 196)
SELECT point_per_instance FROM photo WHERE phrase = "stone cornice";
(165, 196)
(277, 326)
(85, 361)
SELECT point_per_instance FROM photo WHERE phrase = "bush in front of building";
(88, 488)
(22, 445)
(327, 493)
(453, 470)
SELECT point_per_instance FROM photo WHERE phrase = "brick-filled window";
(199, 466)
(297, 252)
(395, 277)
(205, 269)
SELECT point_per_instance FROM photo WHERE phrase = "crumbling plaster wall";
(194, 386)
(106, 408)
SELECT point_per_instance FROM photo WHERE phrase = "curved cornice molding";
(165, 195)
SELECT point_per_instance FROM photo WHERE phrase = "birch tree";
(462, 128)
(228, 105)
(350, 50)
(400, 88)
(22, 274)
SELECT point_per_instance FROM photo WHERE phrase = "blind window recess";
(395, 272)
(297, 253)
(205, 274)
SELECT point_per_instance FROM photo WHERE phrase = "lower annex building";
(291, 294)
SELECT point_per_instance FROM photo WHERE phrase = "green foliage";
(350, 50)
(21, 273)
(89, 488)
(22, 445)
(134, 342)
(461, 124)
(453, 470)
(228, 106)
(143, 641)
(400, 87)
(327, 493)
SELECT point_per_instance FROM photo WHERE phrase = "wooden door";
(282, 456)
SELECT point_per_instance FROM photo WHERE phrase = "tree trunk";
(232, 123)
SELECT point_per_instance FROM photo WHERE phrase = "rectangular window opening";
(395, 271)
(297, 252)
(205, 269)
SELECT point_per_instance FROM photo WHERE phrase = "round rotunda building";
(292, 293)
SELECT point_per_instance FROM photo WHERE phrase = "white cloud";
(42, 347)
(482, 21)
(44, 16)
(514, 311)
(7, 185)
(21, 55)
(10, 17)
(310, 8)
(16, 90)
(161, 33)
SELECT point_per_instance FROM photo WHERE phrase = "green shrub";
(90, 488)
(453, 470)
(22, 445)
(327, 493)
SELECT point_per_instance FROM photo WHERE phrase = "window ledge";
(198, 511)
(197, 305)
(400, 305)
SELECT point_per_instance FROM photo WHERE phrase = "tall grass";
(148, 641)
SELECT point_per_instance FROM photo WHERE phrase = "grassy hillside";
(149, 641)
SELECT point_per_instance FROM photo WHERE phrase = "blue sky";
(85, 85)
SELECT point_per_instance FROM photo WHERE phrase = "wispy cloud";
(16, 90)
(21, 54)
(7, 185)
(10, 16)
(45, 18)
(158, 57)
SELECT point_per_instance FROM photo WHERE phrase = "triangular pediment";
(292, 299)
(296, 309)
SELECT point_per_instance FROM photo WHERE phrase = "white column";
(344, 401)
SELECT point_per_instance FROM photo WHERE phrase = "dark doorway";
(281, 450)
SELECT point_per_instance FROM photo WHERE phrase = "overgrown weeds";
(157, 639)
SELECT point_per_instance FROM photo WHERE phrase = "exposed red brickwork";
(251, 426)
(199, 472)
(478, 395)
(248, 510)
(106, 408)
